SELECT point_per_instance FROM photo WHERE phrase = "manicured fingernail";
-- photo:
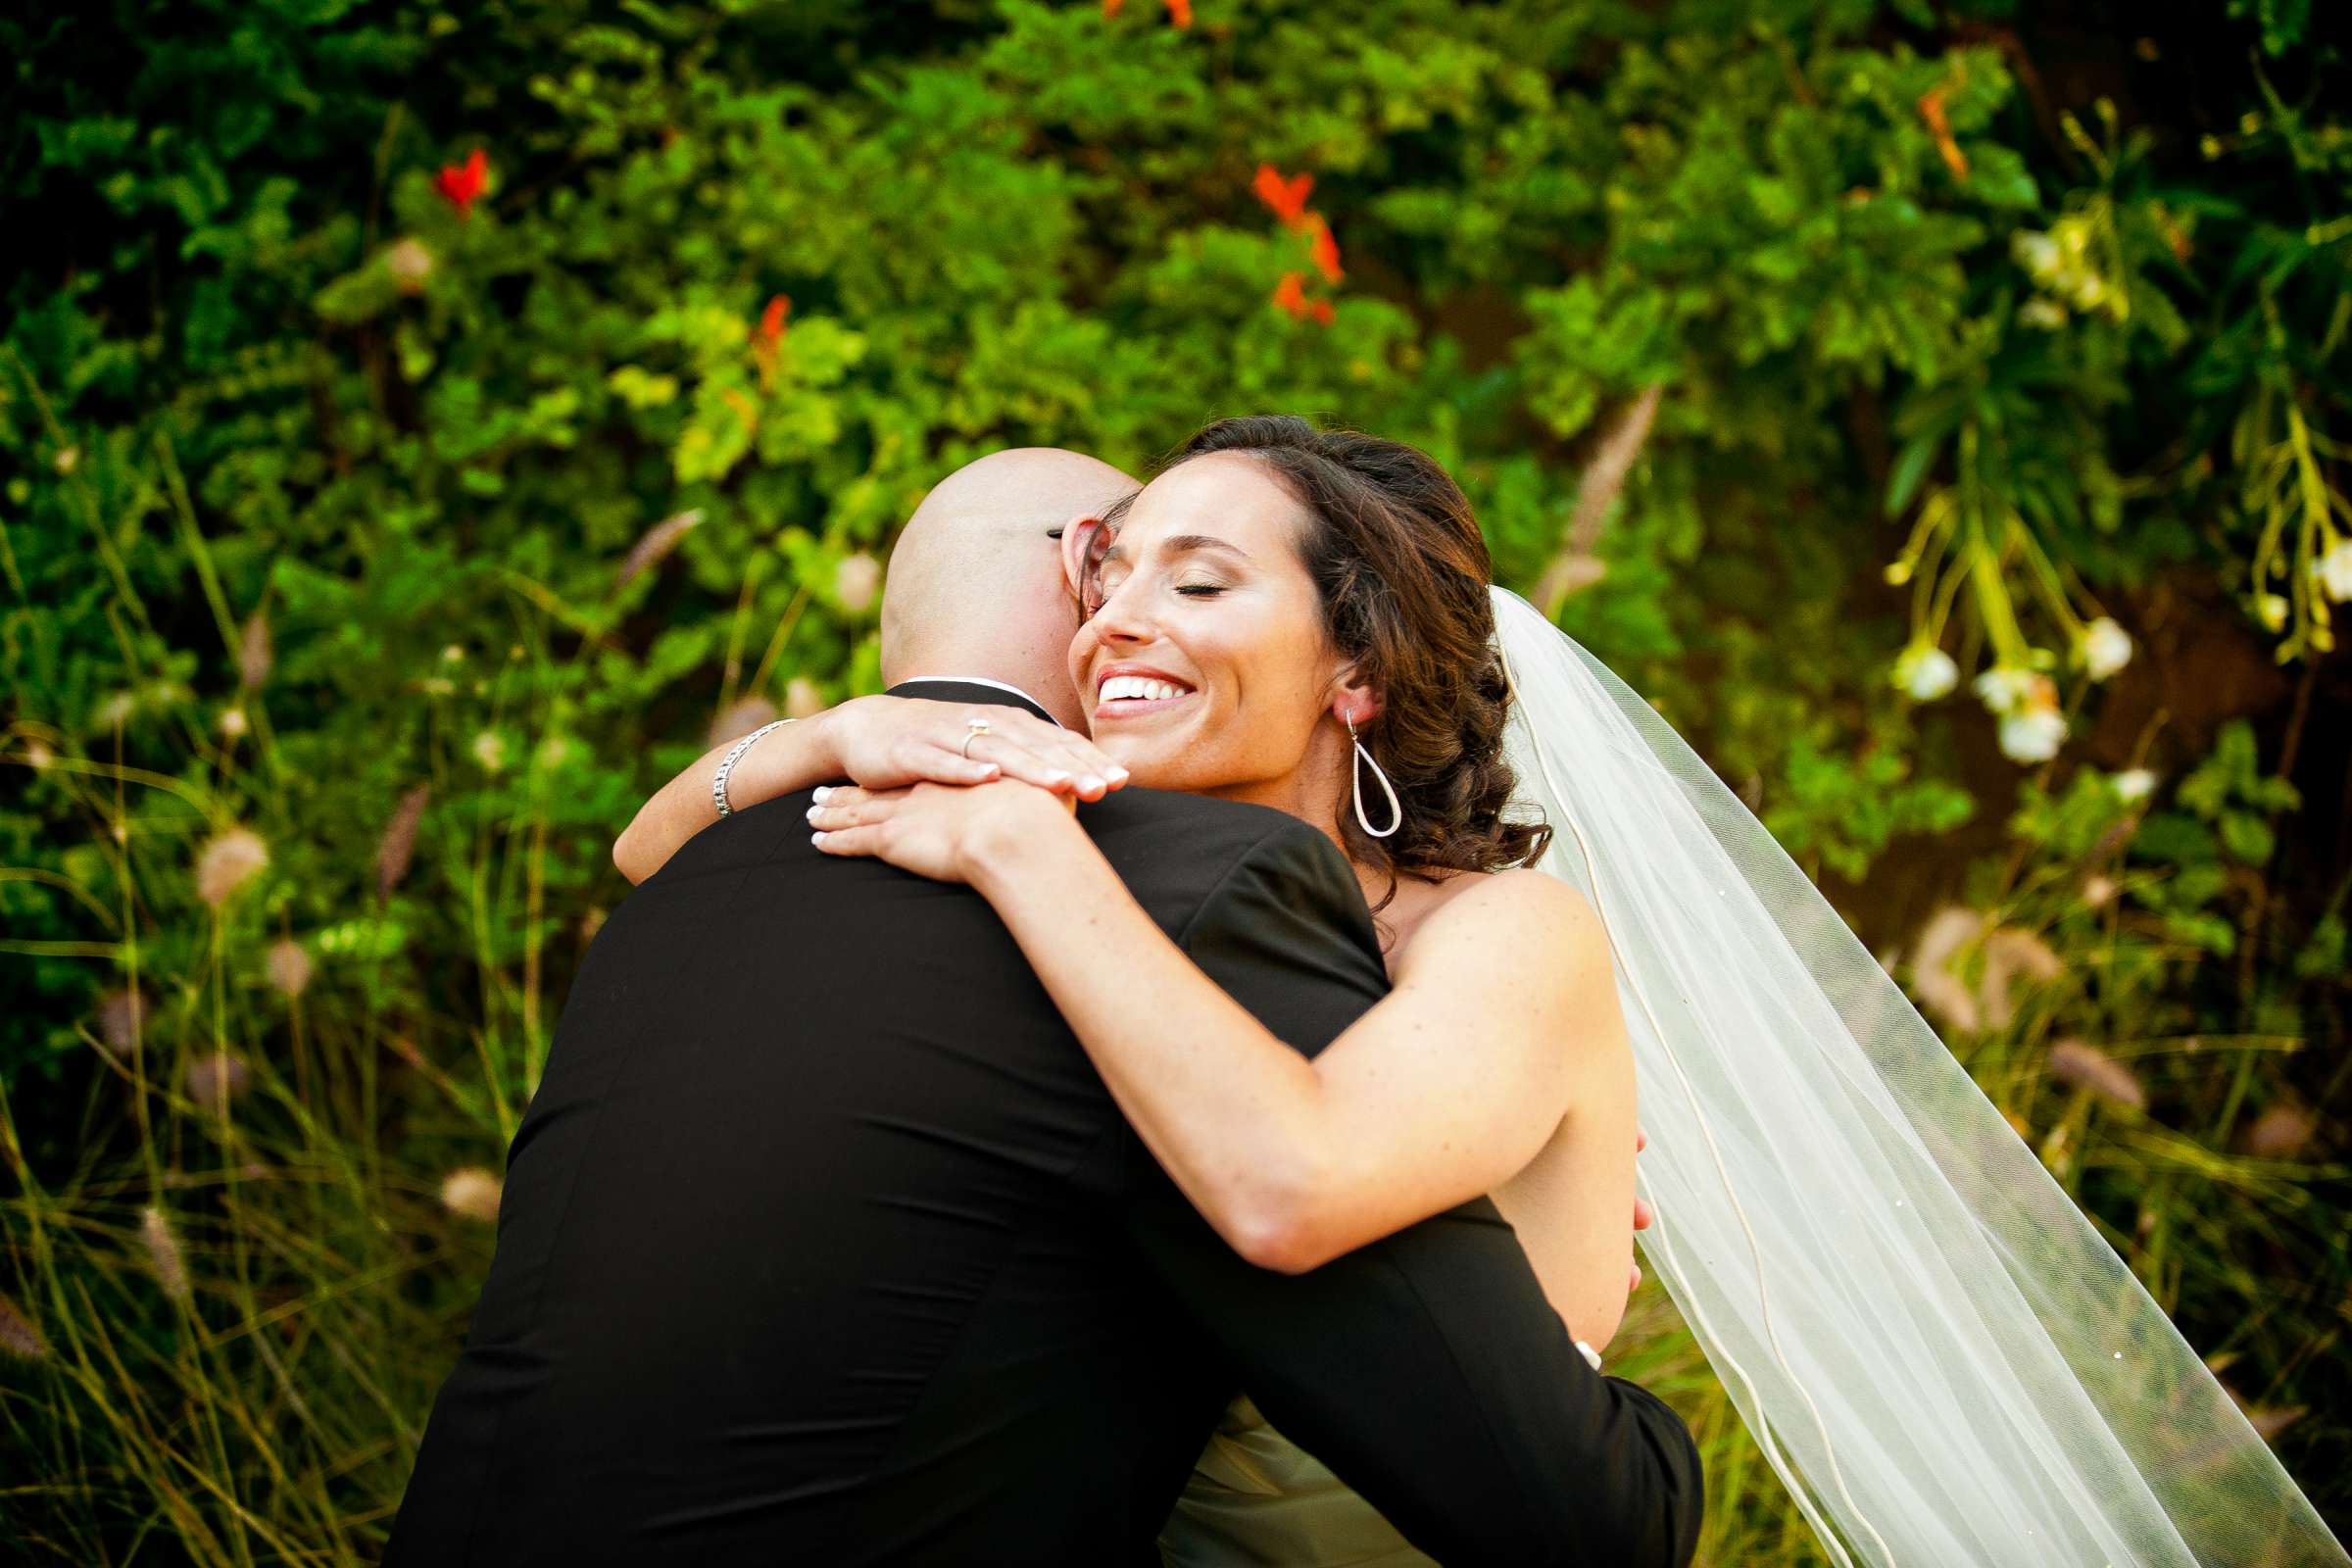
(815, 811)
(819, 793)
(1119, 775)
(1090, 782)
(817, 839)
(1057, 776)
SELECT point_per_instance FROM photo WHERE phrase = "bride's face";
(1206, 668)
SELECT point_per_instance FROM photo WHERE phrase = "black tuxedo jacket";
(822, 1242)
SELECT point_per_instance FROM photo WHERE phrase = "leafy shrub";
(425, 431)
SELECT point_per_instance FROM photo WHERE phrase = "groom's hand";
(1642, 1212)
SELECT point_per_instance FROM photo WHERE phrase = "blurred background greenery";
(425, 429)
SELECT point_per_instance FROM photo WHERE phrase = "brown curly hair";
(1401, 569)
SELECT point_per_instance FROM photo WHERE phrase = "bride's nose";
(1121, 617)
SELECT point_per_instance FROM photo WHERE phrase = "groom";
(821, 1241)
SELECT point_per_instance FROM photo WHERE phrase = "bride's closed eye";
(1100, 594)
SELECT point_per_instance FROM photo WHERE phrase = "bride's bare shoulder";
(1537, 914)
(1521, 891)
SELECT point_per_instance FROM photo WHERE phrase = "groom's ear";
(1083, 541)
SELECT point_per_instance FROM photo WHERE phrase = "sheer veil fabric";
(1937, 1352)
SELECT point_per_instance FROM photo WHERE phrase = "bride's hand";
(886, 743)
(943, 832)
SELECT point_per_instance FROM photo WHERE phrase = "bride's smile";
(1125, 691)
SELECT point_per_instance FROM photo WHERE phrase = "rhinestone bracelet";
(718, 780)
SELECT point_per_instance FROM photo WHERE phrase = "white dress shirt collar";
(983, 680)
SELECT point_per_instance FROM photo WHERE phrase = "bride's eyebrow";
(1183, 544)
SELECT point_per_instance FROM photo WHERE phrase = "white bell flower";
(2106, 648)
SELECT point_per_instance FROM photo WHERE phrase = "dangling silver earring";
(1355, 783)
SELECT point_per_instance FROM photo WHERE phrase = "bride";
(1942, 1358)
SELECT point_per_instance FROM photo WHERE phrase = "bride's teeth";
(1136, 688)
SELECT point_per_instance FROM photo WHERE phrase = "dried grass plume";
(121, 1020)
(1949, 931)
(254, 653)
(2008, 952)
(2085, 1066)
(658, 541)
(398, 845)
(2281, 1132)
(471, 1191)
(18, 1335)
(288, 967)
(229, 862)
(163, 1252)
(216, 1079)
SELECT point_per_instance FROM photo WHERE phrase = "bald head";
(975, 584)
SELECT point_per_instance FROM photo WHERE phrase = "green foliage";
(421, 540)
(2156, 1081)
(1868, 802)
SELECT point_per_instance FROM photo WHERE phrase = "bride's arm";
(1502, 1005)
(1568, 1205)
(881, 742)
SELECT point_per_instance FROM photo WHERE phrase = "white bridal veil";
(1937, 1353)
